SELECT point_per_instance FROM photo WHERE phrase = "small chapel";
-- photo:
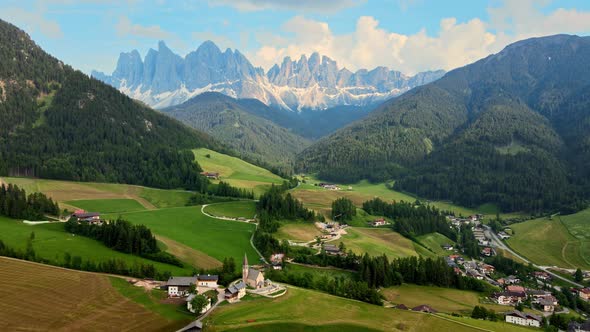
(252, 277)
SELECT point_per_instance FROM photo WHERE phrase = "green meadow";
(244, 209)
(52, 241)
(559, 241)
(188, 226)
(306, 310)
(434, 242)
(107, 205)
(236, 171)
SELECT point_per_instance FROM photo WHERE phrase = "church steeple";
(245, 268)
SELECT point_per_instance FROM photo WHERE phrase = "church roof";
(253, 274)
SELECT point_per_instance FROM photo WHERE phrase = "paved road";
(499, 244)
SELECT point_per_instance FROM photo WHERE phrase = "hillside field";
(560, 241)
(52, 241)
(65, 191)
(235, 171)
(306, 310)
(434, 242)
(189, 227)
(321, 199)
(447, 300)
(377, 241)
(297, 231)
(237, 209)
(38, 297)
(107, 205)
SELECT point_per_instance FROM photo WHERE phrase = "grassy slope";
(236, 171)
(434, 241)
(151, 300)
(107, 205)
(306, 310)
(188, 226)
(548, 242)
(297, 231)
(378, 241)
(52, 241)
(320, 199)
(44, 298)
(245, 209)
(446, 300)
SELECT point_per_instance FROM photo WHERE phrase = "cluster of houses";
(329, 186)
(421, 308)
(202, 283)
(471, 220)
(475, 269)
(513, 294)
(88, 217)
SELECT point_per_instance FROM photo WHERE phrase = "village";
(536, 293)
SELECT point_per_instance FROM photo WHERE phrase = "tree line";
(111, 265)
(15, 203)
(123, 236)
(411, 219)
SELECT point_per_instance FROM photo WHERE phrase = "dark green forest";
(511, 129)
(58, 123)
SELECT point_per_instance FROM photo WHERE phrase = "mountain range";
(512, 129)
(164, 78)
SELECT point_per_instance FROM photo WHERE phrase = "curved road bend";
(499, 244)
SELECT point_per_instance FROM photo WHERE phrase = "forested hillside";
(512, 129)
(227, 120)
(56, 122)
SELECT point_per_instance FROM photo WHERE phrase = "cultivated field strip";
(36, 297)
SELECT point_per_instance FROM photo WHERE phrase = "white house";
(524, 319)
(235, 292)
(179, 286)
(207, 280)
(189, 305)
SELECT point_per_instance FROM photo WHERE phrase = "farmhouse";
(447, 246)
(379, 222)
(487, 269)
(251, 276)
(331, 249)
(425, 308)
(189, 305)
(211, 175)
(584, 294)
(329, 186)
(524, 319)
(90, 217)
(542, 275)
(207, 280)
(179, 286)
(487, 251)
(235, 292)
(548, 303)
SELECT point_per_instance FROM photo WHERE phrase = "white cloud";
(126, 28)
(455, 43)
(324, 6)
(33, 21)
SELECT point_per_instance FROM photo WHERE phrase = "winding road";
(499, 244)
(235, 219)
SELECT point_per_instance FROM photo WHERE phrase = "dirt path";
(132, 192)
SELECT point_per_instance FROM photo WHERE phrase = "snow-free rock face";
(163, 79)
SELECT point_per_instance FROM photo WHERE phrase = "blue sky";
(408, 35)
